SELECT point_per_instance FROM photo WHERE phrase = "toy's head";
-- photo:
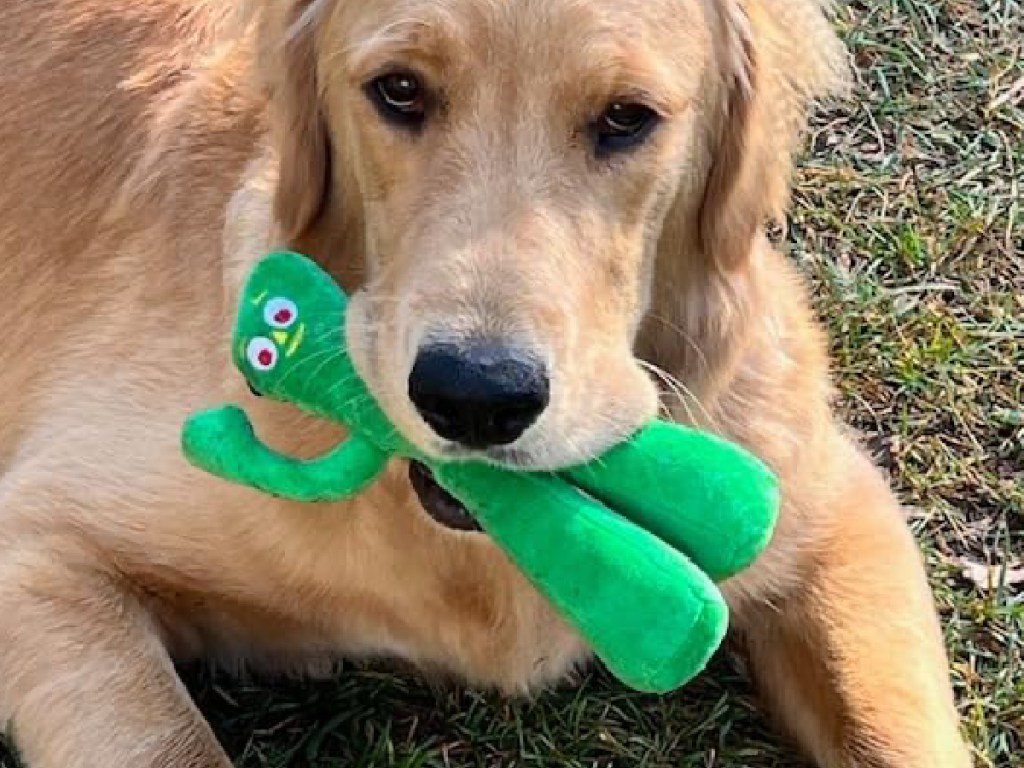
(290, 320)
(290, 345)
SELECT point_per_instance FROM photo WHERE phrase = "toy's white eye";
(262, 353)
(280, 313)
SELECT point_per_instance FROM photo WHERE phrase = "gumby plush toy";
(628, 547)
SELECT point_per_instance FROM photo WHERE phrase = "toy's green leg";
(702, 495)
(222, 442)
(644, 608)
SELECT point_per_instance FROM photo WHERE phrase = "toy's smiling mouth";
(437, 502)
(288, 340)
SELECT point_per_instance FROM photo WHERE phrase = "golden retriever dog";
(551, 213)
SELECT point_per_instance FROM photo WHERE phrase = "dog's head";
(522, 172)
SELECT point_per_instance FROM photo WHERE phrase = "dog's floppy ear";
(298, 125)
(748, 178)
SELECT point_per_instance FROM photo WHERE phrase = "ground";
(909, 219)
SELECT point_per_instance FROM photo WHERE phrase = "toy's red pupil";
(265, 356)
(283, 315)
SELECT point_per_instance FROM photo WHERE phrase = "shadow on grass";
(372, 717)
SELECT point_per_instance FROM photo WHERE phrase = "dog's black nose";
(478, 394)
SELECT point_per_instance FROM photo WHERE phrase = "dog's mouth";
(437, 502)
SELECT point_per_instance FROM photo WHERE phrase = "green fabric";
(223, 442)
(648, 612)
(627, 547)
(702, 495)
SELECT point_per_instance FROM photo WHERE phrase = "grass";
(909, 215)
(909, 220)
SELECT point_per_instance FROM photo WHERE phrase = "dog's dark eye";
(399, 97)
(624, 125)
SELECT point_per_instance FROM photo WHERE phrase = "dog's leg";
(84, 677)
(853, 663)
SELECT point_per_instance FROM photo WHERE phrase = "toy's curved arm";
(222, 442)
(700, 494)
(648, 612)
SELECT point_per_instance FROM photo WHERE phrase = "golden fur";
(152, 149)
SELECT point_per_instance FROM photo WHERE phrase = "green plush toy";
(627, 547)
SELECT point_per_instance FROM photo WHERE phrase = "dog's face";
(514, 162)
